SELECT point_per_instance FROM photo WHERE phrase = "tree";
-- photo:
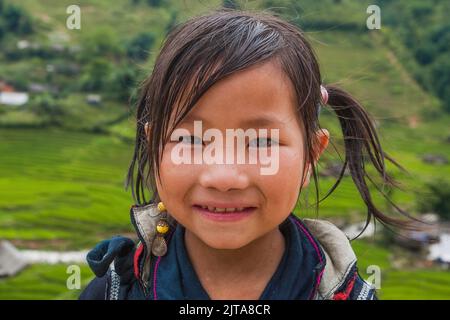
(16, 20)
(140, 45)
(100, 42)
(230, 4)
(425, 54)
(97, 75)
(44, 105)
(440, 74)
(154, 3)
(435, 198)
(172, 21)
(124, 81)
(2, 30)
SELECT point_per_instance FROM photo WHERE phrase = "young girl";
(225, 230)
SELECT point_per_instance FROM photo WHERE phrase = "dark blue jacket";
(119, 264)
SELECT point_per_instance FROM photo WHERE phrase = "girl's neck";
(236, 274)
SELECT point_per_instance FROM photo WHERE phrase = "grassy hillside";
(62, 185)
(61, 181)
(42, 282)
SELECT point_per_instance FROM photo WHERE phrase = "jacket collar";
(297, 276)
(144, 219)
(339, 255)
(316, 250)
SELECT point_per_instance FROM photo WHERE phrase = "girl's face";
(261, 92)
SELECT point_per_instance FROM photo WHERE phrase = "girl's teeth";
(214, 209)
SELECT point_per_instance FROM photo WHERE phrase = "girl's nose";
(223, 177)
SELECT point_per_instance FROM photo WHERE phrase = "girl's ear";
(147, 131)
(323, 137)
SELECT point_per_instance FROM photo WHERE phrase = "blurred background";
(67, 130)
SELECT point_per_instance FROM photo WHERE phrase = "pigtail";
(362, 144)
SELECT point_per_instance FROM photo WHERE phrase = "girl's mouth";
(224, 210)
(224, 214)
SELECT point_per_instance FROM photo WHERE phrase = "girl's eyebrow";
(262, 121)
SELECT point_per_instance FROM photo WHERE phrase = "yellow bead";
(162, 227)
(161, 207)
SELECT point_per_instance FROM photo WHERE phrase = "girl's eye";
(190, 140)
(262, 143)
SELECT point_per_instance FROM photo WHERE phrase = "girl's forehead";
(260, 94)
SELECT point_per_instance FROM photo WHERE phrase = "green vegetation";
(14, 19)
(435, 198)
(424, 29)
(62, 185)
(400, 283)
(42, 282)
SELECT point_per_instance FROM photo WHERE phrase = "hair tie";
(324, 92)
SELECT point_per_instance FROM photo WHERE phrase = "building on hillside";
(9, 96)
(13, 98)
(5, 87)
(94, 99)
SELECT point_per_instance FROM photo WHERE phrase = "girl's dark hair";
(205, 49)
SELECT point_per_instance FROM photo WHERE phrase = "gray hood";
(340, 257)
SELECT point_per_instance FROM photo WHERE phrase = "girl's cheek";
(290, 162)
(282, 188)
(176, 179)
(177, 173)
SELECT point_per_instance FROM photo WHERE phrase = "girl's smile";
(224, 214)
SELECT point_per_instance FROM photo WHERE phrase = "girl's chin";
(221, 241)
(225, 245)
(221, 236)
